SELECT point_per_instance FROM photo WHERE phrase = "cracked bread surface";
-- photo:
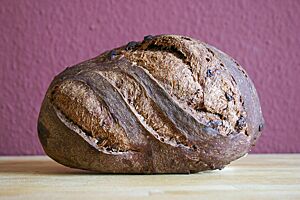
(168, 104)
(192, 73)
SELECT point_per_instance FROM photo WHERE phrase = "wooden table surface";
(273, 176)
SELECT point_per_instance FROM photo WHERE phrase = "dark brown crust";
(151, 126)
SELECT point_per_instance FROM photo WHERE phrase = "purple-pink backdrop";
(40, 38)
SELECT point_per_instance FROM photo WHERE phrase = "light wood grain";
(253, 177)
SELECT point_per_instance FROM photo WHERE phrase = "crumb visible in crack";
(170, 49)
(145, 109)
(158, 53)
(88, 135)
(71, 99)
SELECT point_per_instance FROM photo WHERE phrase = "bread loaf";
(168, 104)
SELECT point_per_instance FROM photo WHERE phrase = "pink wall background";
(40, 38)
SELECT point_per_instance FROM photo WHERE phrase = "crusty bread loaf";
(168, 104)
